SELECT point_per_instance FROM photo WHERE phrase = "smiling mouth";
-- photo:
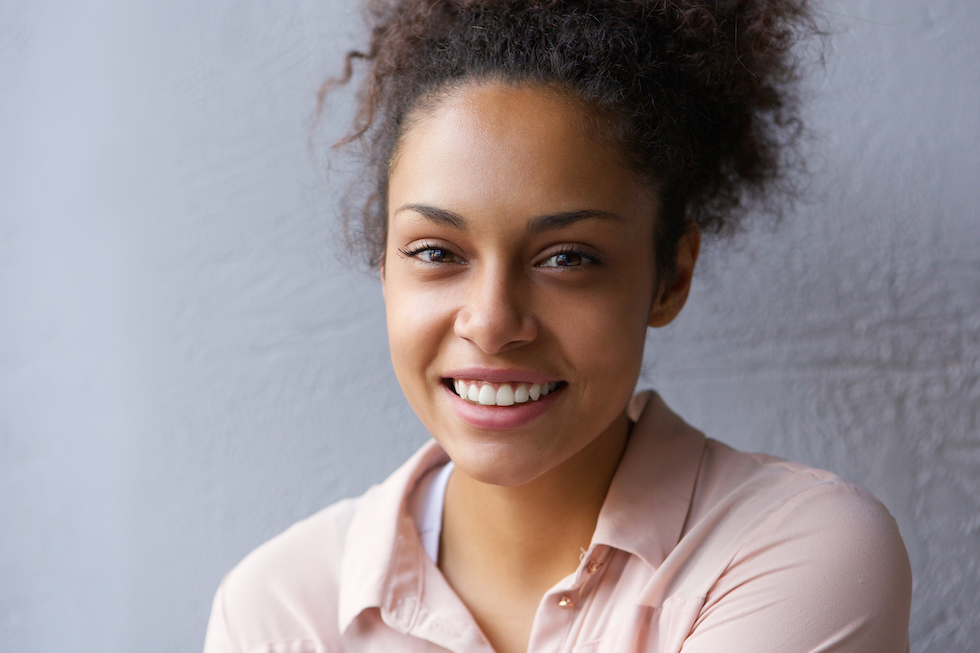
(485, 393)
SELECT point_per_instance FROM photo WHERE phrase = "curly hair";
(700, 94)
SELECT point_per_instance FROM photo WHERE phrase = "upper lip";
(500, 375)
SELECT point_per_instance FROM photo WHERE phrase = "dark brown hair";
(699, 93)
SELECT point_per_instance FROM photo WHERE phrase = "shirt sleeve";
(827, 571)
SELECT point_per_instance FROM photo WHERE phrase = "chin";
(505, 464)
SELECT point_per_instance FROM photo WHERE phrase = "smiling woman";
(544, 171)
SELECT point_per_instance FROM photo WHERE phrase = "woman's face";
(519, 260)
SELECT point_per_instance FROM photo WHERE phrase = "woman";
(543, 173)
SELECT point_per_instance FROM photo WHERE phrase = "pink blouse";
(698, 548)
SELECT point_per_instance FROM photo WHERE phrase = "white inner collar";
(428, 521)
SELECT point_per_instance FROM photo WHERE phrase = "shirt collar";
(648, 501)
(644, 514)
(380, 525)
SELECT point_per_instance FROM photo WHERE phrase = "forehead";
(516, 148)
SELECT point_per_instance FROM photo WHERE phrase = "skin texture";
(477, 275)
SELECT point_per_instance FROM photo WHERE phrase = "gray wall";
(186, 368)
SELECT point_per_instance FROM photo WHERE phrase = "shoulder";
(759, 498)
(279, 590)
(293, 590)
(802, 557)
(307, 553)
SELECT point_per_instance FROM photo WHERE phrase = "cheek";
(417, 322)
(615, 338)
(612, 315)
(602, 338)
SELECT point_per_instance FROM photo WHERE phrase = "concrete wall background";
(186, 368)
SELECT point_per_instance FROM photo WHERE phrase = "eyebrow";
(541, 223)
(562, 220)
(439, 216)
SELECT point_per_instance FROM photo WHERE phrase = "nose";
(495, 315)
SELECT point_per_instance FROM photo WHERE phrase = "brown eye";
(436, 255)
(567, 259)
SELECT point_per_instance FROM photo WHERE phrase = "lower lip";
(498, 418)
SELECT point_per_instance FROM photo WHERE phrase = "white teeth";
(521, 395)
(487, 396)
(505, 396)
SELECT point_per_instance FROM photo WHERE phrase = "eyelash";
(425, 247)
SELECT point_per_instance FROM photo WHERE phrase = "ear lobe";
(673, 293)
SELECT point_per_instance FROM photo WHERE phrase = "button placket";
(574, 601)
(570, 598)
(594, 560)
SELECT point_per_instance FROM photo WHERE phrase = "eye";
(569, 257)
(431, 254)
(437, 255)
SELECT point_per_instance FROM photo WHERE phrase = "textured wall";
(186, 368)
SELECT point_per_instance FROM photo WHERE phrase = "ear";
(673, 293)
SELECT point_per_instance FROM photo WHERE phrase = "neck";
(527, 538)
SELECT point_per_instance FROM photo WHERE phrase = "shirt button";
(566, 601)
(594, 566)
